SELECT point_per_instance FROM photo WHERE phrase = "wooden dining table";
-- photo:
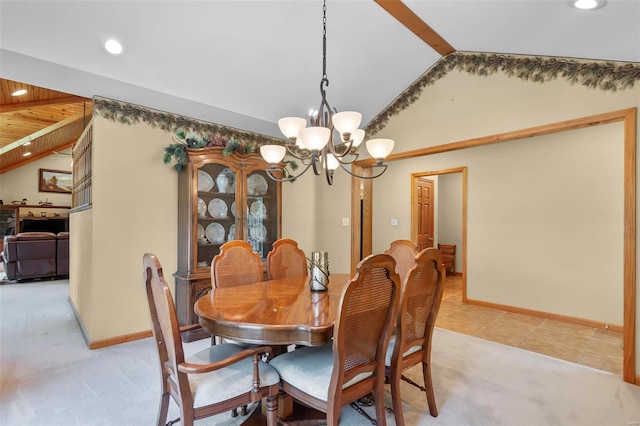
(275, 312)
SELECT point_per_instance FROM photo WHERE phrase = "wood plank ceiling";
(41, 122)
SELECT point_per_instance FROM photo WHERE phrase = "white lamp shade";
(346, 121)
(314, 138)
(357, 136)
(379, 148)
(332, 162)
(273, 154)
(291, 126)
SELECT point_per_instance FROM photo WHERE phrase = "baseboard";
(111, 341)
(83, 330)
(547, 315)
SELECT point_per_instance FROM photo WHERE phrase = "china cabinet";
(220, 198)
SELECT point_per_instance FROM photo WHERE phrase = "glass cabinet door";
(216, 215)
(262, 219)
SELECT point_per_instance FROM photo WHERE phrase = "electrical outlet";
(394, 222)
(345, 221)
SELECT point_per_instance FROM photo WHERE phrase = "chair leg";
(163, 409)
(396, 398)
(272, 410)
(186, 416)
(378, 395)
(428, 384)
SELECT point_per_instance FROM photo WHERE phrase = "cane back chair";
(236, 264)
(286, 260)
(215, 380)
(411, 344)
(404, 253)
(331, 376)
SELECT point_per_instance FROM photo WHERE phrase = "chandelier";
(317, 146)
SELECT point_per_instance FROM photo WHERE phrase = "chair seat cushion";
(309, 369)
(392, 343)
(228, 382)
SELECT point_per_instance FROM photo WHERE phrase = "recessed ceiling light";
(587, 4)
(113, 46)
(19, 92)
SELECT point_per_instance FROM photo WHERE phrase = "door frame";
(362, 189)
(414, 216)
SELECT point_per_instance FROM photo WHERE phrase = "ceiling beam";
(40, 133)
(406, 17)
(32, 158)
(56, 101)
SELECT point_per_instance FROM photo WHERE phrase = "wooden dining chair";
(236, 264)
(411, 343)
(286, 260)
(404, 253)
(448, 252)
(328, 377)
(215, 380)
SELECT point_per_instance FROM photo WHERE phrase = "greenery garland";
(598, 75)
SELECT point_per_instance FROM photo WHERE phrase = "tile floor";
(588, 346)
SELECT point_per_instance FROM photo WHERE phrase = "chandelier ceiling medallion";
(317, 146)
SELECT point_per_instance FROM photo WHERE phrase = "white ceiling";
(248, 63)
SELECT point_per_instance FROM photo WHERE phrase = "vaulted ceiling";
(38, 123)
(247, 63)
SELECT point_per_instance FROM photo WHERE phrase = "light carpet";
(49, 377)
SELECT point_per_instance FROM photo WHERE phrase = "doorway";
(425, 213)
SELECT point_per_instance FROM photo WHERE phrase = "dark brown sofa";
(30, 255)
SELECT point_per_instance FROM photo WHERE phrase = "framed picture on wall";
(55, 181)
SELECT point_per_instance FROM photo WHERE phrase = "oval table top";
(275, 312)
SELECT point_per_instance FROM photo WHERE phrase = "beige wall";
(545, 214)
(23, 182)
(134, 211)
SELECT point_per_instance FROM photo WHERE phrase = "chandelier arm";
(341, 159)
(381, 166)
(302, 157)
(329, 174)
(314, 161)
(287, 179)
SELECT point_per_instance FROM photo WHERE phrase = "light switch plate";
(394, 222)
(345, 221)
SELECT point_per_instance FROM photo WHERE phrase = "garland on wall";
(126, 113)
(607, 76)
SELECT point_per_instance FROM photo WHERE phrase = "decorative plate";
(215, 233)
(202, 208)
(200, 232)
(232, 232)
(231, 181)
(258, 209)
(257, 185)
(258, 232)
(205, 181)
(233, 209)
(218, 208)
